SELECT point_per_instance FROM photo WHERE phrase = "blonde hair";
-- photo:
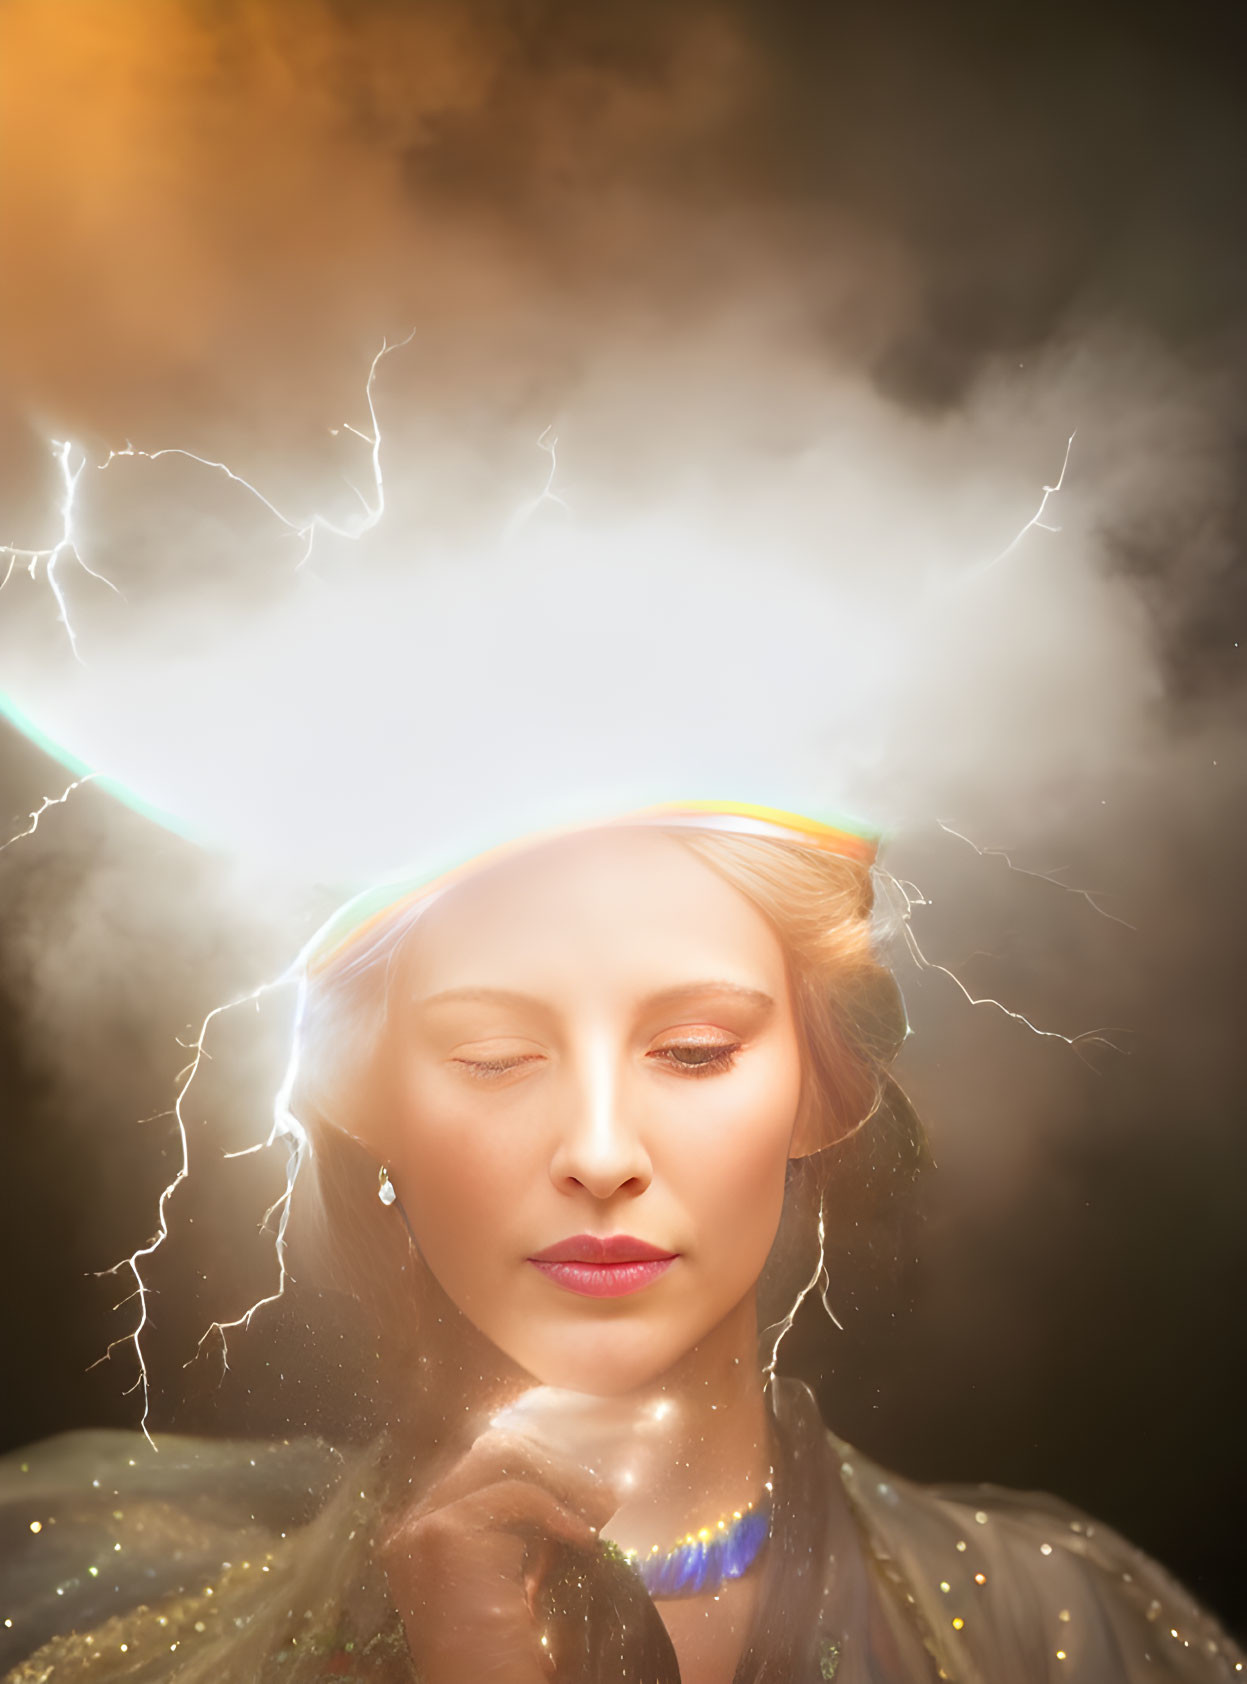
(848, 1008)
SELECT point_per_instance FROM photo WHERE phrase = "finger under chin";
(498, 1457)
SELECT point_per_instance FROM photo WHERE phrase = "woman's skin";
(595, 1037)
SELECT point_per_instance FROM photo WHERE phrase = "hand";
(466, 1562)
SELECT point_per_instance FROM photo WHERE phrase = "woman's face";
(593, 1041)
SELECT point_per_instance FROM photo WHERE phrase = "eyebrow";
(665, 997)
(695, 990)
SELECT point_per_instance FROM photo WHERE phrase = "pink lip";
(596, 1248)
(597, 1267)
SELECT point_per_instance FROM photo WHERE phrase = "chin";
(608, 1361)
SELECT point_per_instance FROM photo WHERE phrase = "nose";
(599, 1147)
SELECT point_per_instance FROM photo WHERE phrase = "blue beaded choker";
(702, 1561)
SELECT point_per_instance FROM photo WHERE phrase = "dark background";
(1063, 1308)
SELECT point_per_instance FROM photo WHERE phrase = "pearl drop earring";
(385, 1189)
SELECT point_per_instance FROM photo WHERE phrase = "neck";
(700, 1441)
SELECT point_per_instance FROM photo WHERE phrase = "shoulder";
(1023, 1586)
(104, 1462)
(103, 1529)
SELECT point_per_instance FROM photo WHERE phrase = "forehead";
(633, 908)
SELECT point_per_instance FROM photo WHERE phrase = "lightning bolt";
(47, 802)
(819, 1281)
(287, 1128)
(306, 531)
(1036, 520)
(548, 442)
(66, 545)
(904, 897)
(72, 461)
(141, 1255)
(1040, 876)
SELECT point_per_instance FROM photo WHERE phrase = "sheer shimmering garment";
(231, 1563)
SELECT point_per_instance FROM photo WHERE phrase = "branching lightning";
(72, 461)
(904, 897)
(306, 531)
(47, 802)
(142, 1254)
(285, 1127)
(548, 442)
(66, 544)
(820, 1281)
(1036, 521)
(1040, 876)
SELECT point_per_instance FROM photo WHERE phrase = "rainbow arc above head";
(842, 837)
(447, 849)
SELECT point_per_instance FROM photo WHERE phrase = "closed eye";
(491, 1069)
(698, 1058)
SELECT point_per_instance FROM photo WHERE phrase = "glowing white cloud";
(805, 627)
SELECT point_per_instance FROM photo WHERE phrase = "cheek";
(456, 1172)
(733, 1165)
